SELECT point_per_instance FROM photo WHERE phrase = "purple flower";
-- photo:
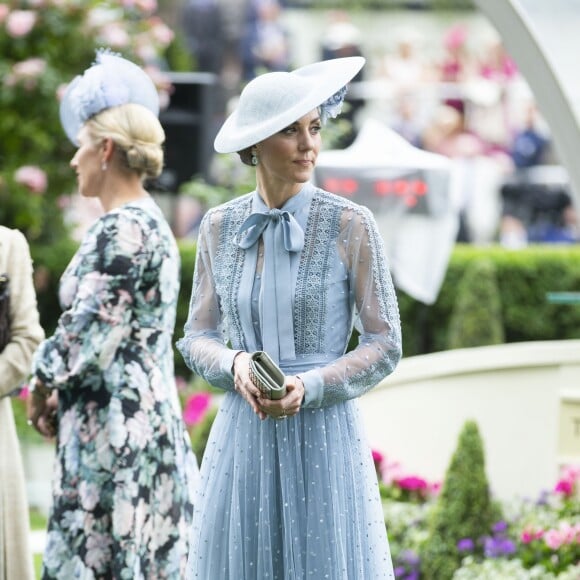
(410, 558)
(499, 527)
(496, 547)
(465, 545)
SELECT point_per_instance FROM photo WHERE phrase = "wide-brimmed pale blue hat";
(275, 100)
(111, 81)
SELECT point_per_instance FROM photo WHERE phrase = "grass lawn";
(37, 522)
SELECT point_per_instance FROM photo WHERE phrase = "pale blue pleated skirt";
(288, 499)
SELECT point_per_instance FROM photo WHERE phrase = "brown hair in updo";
(246, 156)
(137, 134)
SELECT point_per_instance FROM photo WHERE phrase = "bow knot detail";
(255, 224)
(282, 235)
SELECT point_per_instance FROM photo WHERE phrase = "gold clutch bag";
(267, 375)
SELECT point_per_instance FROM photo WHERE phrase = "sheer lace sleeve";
(203, 345)
(376, 317)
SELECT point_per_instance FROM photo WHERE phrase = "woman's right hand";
(244, 385)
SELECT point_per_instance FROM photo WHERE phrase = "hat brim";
(321, 80)
(83, 97)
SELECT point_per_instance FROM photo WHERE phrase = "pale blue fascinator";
(109, 82)
(275, 100)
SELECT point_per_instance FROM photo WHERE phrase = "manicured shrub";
(476, 319)
(464, 512)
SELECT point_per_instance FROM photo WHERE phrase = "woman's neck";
(275, 195)
(118, 192)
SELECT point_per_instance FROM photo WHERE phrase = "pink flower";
(23, 394)
(31, 67)
(32, 177)
(161, 32)
(20, 22)
(565, 487)
(377, 457)
(529, 535)
(26, 72)
(114, 35)
(147, 6)
(181, 383)
(196, 408)
(4, 10)
(554, 539)
(412, 483)
(434, 488)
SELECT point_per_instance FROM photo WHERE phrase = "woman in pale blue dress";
(290, 269)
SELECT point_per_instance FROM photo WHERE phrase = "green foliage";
(464, 508)
(524, 277)
(476, 319)
(37, 60)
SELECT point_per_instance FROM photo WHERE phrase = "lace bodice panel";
(340, 280)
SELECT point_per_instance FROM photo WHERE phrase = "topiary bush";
(464, 511)
(476, 319)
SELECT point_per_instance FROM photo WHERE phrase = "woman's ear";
(108, 147)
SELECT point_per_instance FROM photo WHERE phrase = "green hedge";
(524, 278)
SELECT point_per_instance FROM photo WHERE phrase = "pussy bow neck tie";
(282, 235)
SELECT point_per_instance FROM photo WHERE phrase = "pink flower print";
(32, 177)
(20, 22)
(98, 550)
(196, 408)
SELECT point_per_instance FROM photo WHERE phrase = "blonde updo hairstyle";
(137, 134)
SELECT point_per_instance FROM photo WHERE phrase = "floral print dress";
(125, 473)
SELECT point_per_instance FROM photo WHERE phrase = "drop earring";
(254, 159)
(104, 166)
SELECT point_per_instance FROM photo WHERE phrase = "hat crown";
(109, 82)
(275, 100)
(268, 96)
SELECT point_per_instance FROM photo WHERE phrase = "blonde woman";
(125, 472)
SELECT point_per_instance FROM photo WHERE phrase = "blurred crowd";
(460, 95)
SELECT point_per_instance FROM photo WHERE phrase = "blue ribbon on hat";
(282, 235)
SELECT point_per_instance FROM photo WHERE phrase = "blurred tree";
(43, 45)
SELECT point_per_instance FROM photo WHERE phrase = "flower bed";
(536, 539)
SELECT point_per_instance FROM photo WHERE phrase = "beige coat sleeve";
(26, 332)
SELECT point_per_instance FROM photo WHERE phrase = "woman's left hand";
(42, 410)
(289, 405)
